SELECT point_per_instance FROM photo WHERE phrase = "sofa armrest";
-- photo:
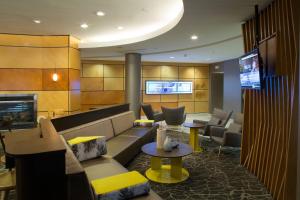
(217, 131)
(232, 139)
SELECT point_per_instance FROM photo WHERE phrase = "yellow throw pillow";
(122, 186)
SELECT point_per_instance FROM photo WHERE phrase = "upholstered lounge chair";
(228, 137)
(219, 118)
(152, 115)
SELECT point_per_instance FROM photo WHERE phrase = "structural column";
(133, 81)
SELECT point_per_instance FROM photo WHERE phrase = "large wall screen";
(169, 87)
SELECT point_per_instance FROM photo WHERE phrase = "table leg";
(194, 139)
(176, 167)
(155, 163)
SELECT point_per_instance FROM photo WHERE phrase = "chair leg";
(219, 151)
(6, 195)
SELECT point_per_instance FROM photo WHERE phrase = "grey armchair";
(219, 118)
(228, 137)
(150, 114)
(174, 116)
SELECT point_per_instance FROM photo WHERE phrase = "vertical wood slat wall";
(268, 144)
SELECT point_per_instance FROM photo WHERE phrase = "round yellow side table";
(173, 173)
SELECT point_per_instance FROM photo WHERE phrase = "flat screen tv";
(169, 87)
(250, 70)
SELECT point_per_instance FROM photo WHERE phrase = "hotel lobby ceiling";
(159, 30)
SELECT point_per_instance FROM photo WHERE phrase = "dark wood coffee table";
(173, 173)
(194, 135)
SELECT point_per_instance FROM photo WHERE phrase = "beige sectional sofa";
(123, 143)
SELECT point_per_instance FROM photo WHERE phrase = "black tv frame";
(260, 68)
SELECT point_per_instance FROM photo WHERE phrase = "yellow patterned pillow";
(85, 148)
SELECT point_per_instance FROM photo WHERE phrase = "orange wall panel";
(60, 85)
(21, 79)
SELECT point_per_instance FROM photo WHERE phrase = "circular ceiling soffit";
(140, 20)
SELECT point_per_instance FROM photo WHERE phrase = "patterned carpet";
(211, 177)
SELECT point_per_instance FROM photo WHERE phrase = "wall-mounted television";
(250, 70)
(169, 87)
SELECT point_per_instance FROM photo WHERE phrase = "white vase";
(168, 144)
(160, 137)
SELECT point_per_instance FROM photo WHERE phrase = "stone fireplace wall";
(27, 63)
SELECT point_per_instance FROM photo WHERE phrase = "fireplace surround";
(18, 111)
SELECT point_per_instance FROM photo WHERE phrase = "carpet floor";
(211, 177)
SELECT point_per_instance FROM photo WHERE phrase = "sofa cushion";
(85, 148)
(102, 167)
(97, 128)
(122, 122)
(133, 184)
(119, 144)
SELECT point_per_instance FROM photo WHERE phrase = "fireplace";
(18, 111)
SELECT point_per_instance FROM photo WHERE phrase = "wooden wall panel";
(201, 107)
(33, 40)
(74, 59)
(103, 97)
(74, 100)
(28, 57)
(74, 79)
(91, 84)
(61, 84)
(113, 84)
(169, 72)
(201, 95)
(21, 79)
(169, 98)
(114, 71)
(151, 71)
(186, 72)
(189, 106)
(269, 133)
(201, 72)
(201, 84)
(92, 70)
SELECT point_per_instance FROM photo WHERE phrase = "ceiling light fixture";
(120, 28)
(194, 37)
(172, 57)
(100, 13)
(84, 26)
(37, 21)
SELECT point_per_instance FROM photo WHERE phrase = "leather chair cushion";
(119, 144)
(122, 122)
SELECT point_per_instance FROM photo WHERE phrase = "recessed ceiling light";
(84, 26)
(172, 57)
(100, 13)
(120, 28)
(37, 21)
(194, 37)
